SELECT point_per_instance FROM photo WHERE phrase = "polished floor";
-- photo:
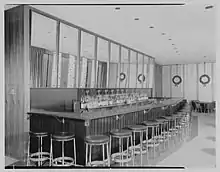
(198, 152)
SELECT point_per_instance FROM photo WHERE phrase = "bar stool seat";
(150, 123)
(121, 133)
(63, 136)
(137, 127)
(97, 140)
(63, 160)
(39, 134)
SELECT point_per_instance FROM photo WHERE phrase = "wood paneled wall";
(190, 88)
(17, 73)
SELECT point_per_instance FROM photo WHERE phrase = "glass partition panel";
(102, 57)
(113, 65)
(43, 60)
(87, 61)
(68, 56)
(102, 50)
(140, 78)
(124, 68)
(133, 69)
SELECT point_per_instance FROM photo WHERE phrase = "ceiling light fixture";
(163, 34)
(170, 39)
(173, 44)
(136, 18)
(151, 27)
(117, 8)
(209, 7)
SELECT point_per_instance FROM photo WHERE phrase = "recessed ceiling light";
(117, 8)
(170, 39)
(173, 44)
(151, 27)
(209, 7)
(136, 18)
(163, 34)
(64, 37)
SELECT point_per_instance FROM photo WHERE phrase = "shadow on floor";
(210, 151)
(212, 138)
(210, 125)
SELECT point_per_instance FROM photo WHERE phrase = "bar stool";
(179, 126)
(169, 133)
(185, 123)
(123, 156)
(40, 156)
(63, 160)
(142, 147)
(163, 138)
(97, 140)
(153, 142)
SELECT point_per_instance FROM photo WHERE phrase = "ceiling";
(180, 34)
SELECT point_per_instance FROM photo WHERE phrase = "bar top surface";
(103, 112)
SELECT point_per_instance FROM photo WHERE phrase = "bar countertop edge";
(85, 116)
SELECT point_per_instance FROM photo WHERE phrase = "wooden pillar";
(17, 71)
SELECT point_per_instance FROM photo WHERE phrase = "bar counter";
(93, 123)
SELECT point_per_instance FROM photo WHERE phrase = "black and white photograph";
(110, 85)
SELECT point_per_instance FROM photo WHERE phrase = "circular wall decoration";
(177, 80)
(141, 78)
(204, 79)
(122, 76)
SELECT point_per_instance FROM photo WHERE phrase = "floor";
(199, 152)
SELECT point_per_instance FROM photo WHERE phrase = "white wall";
(190, 88)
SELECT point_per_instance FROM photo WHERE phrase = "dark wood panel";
(16, 84)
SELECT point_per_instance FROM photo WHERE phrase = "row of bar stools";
(122, 157)
(142, 147)
(63, 160)
(98, 140)
(40, 156)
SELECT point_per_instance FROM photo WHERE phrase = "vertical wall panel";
(191, 87)
(166, 81)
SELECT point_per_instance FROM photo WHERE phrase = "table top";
(104, 113)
